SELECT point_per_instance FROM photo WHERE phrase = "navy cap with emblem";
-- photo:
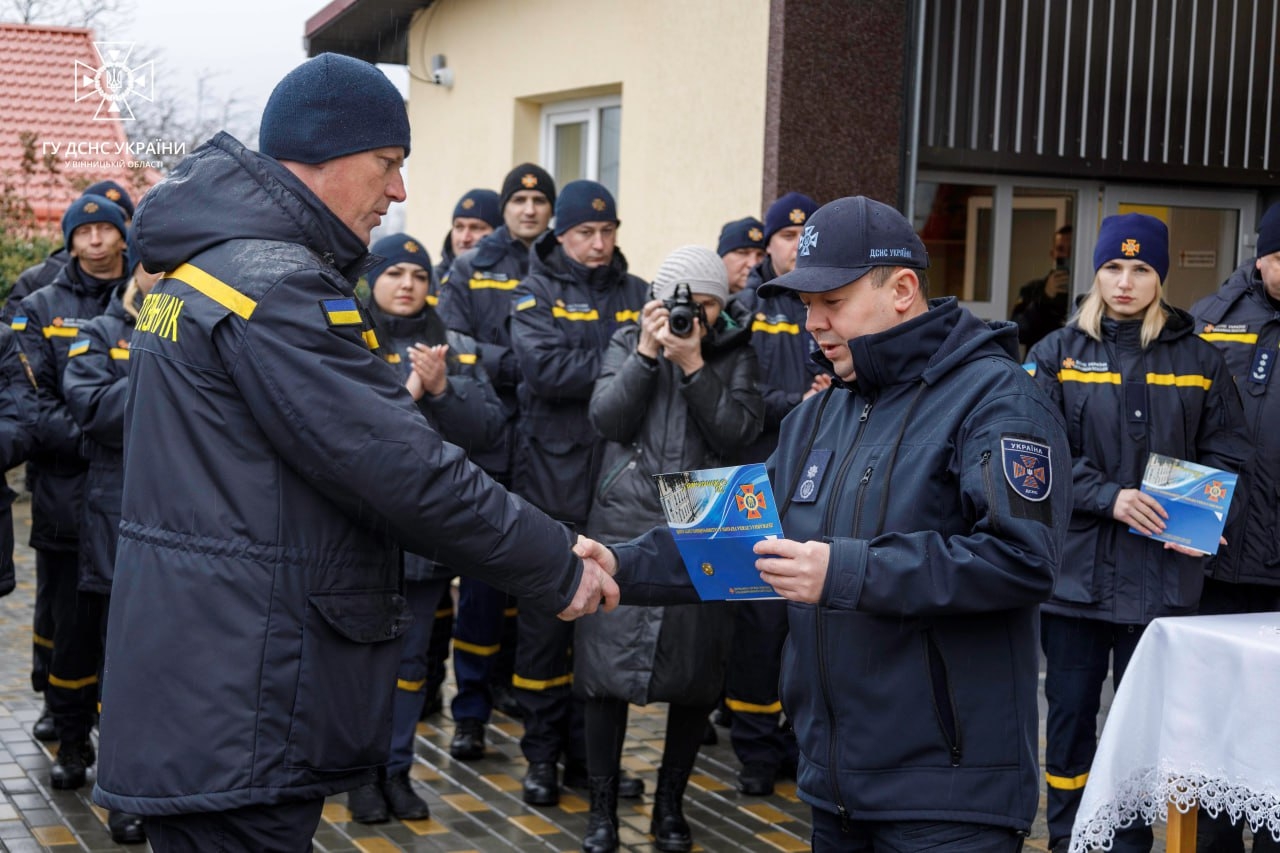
(843, 241)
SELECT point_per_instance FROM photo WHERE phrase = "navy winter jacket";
(1121, 403)
(563, 315)
(1245, 327)
(17, 434)
(784, 347)
(468, 413)
(47, 321)
(94, 383)
(940, 478)
(475, 299)
(272, 464)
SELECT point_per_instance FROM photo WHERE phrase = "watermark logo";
(114, 82)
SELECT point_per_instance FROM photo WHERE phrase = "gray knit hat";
(696, 266)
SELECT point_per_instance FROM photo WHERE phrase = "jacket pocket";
(341, 717)
(944, 703)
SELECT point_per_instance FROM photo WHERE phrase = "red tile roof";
(38, 95)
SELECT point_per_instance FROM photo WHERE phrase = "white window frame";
(579, 110)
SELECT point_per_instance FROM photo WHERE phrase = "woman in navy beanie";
(1131, 378)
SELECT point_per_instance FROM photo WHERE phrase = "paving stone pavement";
(475, 806)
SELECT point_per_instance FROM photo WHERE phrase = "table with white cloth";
(1196, 721)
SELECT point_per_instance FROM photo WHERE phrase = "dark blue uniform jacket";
(47, 321)
(17, 425)
(94, 384)
(941, 480)
(468, 413)
(1121, 403)
(475, 299)
(272, 463)
(1245, 327)
(563, 315)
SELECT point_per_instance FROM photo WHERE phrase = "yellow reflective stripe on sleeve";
(1066, 375)
(393, 358)
(563, 314)
(1231, 337)
(751, 708)
(1187, 381)
(490, 284)
(42, 642)
(775, 328)
(410, 686)
(216, 289)
(61, 331)
(511, 612)
(467, 358)
(536, 684)
(1066, 783)
(370, 338)
(76, 684)
(477, 650)
(120, 353)
(444, 612)
(627, 316)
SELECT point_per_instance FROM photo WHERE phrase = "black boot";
(44, 728)
(540, 786)
(125, 828)
(367, 804)
(403, 801)
(669, 829)
(602, 823)
(74, 756)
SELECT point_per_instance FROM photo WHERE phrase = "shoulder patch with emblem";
(1026, 468)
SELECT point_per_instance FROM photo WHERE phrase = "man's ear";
(906, 289)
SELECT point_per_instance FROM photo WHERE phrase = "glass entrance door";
(1210, 233)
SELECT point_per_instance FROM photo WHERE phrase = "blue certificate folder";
(716, 515)
(1196, 498)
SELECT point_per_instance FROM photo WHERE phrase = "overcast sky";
(248, 45)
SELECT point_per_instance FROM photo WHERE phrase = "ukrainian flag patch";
(19, 324)
(80, 347)
(341, 312)
(526, 302)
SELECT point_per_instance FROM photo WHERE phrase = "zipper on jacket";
(616, 471)
(937, 665)
(862, 494)
(825, 680)
(989, 488)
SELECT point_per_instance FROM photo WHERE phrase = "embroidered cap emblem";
(797, 215)
(411, 246)
(1026, 467)
(809, 240)
(113, 194)
(468, 203)
(530, 181)
(598, 204)
(1130, 247)
(91, 207)
(755, 235)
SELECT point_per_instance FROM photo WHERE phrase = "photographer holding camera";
(1043, 304)
(678, 393)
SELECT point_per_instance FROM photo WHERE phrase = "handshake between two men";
(796, 570)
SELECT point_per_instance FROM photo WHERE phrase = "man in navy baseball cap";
(844, 240)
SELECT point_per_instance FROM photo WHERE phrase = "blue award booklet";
(1196, 498)
(716, 515)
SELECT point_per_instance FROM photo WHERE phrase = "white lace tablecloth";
(1196, 721)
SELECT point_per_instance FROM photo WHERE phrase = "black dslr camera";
(682, 311)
